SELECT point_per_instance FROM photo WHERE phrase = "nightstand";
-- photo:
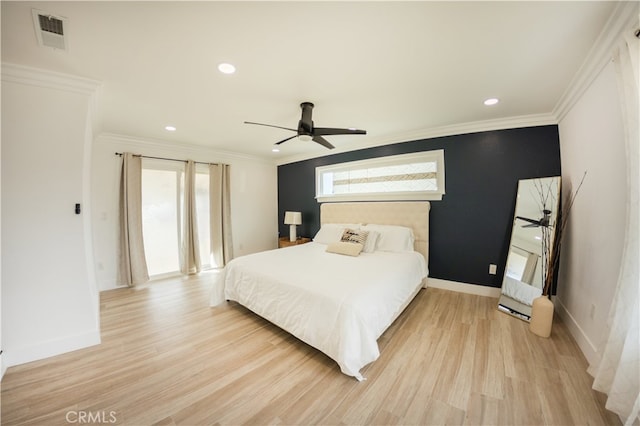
(284, 241)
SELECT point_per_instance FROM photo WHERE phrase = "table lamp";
(292, 219)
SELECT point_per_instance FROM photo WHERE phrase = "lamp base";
(292, 233)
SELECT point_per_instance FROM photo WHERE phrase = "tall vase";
(541, 316)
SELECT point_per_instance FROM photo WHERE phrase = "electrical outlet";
(493, 269)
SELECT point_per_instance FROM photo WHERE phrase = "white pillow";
(332, 232)
(370, 244)
(392, 237)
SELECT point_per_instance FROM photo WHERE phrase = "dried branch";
(553, 252)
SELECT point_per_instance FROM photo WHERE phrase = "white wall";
(49, 295)
(253, 197)
(50, 161)
(592, 140)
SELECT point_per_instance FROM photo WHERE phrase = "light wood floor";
(168, 358)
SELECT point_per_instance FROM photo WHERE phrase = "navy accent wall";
(471, 227)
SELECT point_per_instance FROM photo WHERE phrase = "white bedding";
(522, 292)
(338, 304)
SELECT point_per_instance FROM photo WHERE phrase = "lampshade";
(292, 218)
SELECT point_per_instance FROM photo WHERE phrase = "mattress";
(338, 304)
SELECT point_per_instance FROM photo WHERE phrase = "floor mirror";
(537, 204)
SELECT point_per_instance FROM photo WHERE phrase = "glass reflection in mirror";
(536, 208)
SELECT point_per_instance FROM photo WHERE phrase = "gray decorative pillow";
(357, 236)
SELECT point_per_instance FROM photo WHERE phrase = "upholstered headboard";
(412, 214)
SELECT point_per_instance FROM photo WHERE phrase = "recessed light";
(275, 150)
(170, 128)
(226, 68)
(491, 101)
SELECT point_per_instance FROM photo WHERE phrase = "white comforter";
(335, 303)
(522, 292)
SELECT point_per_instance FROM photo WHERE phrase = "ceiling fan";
(306, 131)
(533, 223)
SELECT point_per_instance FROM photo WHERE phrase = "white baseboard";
(109, 284)
(479, 290)
(43, 350)
(582, 340)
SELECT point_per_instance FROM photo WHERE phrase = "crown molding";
(21, 74)
(435, 132)
(623, 18)
(179, 150)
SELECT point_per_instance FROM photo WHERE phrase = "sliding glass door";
(162, 204)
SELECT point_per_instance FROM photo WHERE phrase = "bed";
(338, 303)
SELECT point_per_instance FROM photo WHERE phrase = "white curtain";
(618, 372)
(220, 210)
(132, 263)
(190, 250)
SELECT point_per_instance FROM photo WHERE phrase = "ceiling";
(397, 69)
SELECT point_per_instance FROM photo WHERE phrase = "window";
(416, 176)
(516, 265)
(162, 203)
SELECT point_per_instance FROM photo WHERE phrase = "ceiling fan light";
(305, 138)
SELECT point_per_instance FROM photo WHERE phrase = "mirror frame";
(537, 205)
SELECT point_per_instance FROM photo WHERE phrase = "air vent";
(51, 24)
(49, 29)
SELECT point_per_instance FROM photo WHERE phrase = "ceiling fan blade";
(323, 131)
(270, 125)
(305, 128)
(284, 140)
(526, 219)
(322, 141)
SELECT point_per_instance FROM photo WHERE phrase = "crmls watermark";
(91, 417)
